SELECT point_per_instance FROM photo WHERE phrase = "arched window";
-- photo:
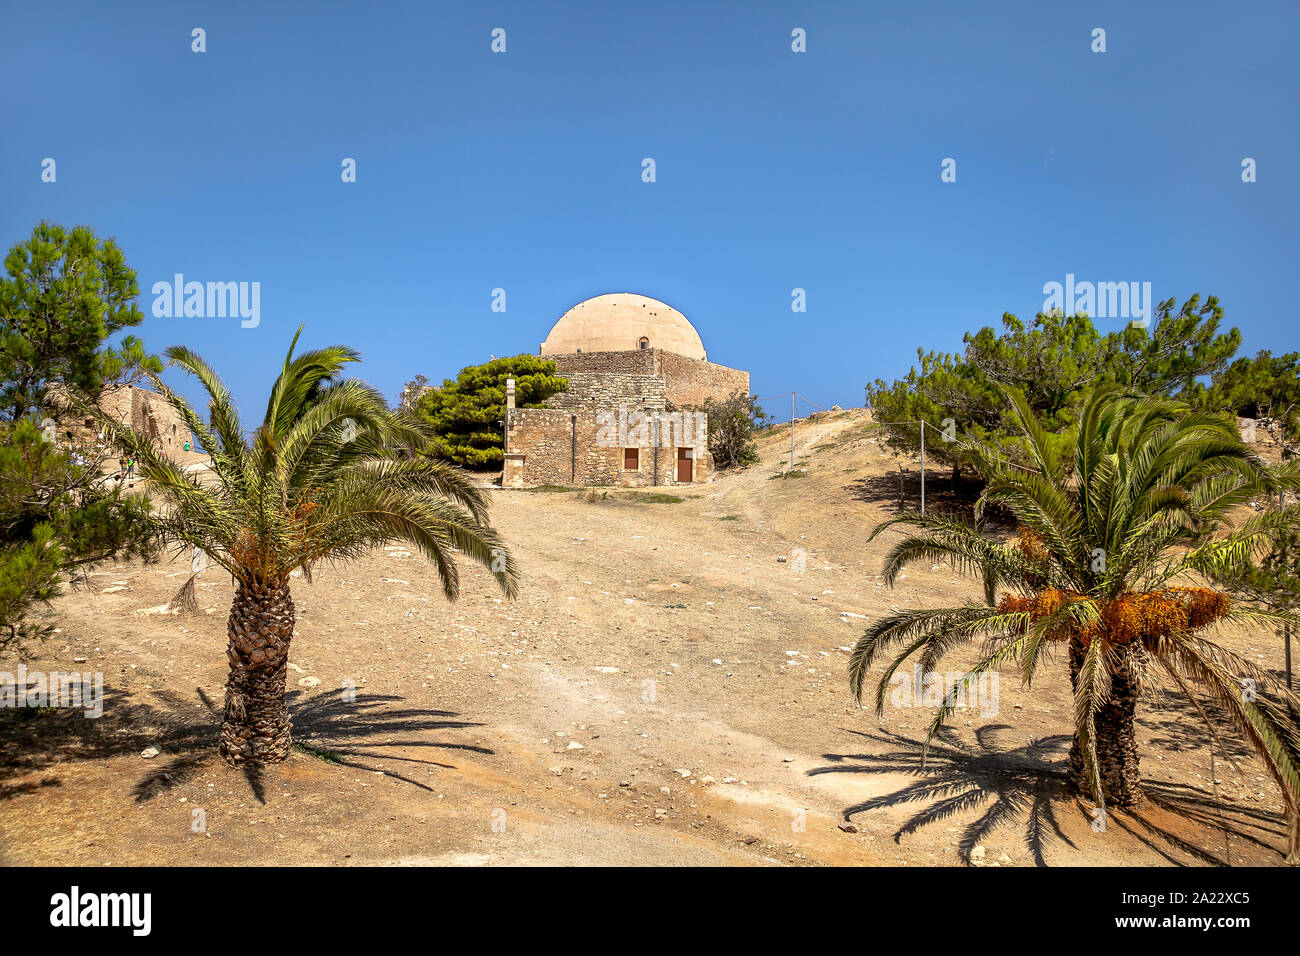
(643, 343)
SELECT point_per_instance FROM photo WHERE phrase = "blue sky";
(775, 170)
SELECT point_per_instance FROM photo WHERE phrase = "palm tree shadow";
(1176, 727)
(1183, 802)
(1029, 783)
(353, 732)
(343, 731)
(955, 778)
(35, 740)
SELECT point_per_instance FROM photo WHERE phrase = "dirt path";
(668, 689)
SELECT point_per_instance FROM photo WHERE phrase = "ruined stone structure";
(636, 368)
(143, 410)
(412, 392)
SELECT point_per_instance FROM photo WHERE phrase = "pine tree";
(64, 293)
(466, 413)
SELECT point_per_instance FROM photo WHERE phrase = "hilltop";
(669, 688)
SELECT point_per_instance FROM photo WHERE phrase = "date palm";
(1125, 523)
(331, 473)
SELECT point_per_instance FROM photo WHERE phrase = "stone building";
(413, 391)
(637, 371)
(145, 411)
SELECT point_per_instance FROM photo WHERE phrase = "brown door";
(684, 456)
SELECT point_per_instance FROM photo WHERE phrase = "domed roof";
(623, 322)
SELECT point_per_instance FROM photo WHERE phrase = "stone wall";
(609, 390)
(541, 439)
(690, 382)
(551, 446)
(634, 362)
(687, 382)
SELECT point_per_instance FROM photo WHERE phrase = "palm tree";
(1124, 521)
(329, 474)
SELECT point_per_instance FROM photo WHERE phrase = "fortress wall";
(690, 382)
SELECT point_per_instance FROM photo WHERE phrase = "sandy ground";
(666, 690)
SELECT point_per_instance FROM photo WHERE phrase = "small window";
(644, 343)
(631, 459)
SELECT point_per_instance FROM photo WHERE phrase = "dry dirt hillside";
(668, 689)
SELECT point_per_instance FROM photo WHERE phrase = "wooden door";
(685, 458)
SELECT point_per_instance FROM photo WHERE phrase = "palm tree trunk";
(1116, 731)
(255, 726)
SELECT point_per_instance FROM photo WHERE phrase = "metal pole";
(923, 466)
(792, 431)
(1286, 628)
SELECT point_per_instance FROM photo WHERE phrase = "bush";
(1051, 360)
(732, 424)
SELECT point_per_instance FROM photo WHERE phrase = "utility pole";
(792, 431)
(1286, 628)
(922, 466)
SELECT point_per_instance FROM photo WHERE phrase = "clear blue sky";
(775, 170)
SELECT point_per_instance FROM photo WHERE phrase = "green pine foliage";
(1052, 360)
(57, 514)
(1271, 579)
(1262, 387)
(465, 414)
(63, 294)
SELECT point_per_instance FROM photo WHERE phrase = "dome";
(623, 322)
